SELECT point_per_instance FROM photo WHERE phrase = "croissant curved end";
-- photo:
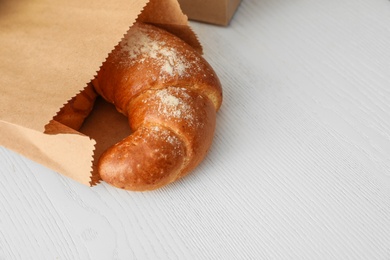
(149, 158)
(174, 128)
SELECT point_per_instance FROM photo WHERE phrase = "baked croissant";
(170, 95)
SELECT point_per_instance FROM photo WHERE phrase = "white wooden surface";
(300, 166)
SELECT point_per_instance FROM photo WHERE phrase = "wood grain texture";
(299, 168)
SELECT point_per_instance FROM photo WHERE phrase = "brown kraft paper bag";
(50, 50)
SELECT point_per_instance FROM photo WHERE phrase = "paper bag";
(218, 12)
(50, 50)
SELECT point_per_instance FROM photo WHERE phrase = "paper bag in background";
(219, 12)
(50, 50)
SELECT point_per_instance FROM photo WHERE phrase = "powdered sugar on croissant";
(170, 95)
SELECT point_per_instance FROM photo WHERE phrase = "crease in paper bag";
(70, 154)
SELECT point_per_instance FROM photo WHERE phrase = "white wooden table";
(299, 169)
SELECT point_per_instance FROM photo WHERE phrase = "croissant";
(170, 95)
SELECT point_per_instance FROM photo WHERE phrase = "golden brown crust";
(151, 58)
(73, 113)
(190, 115)
(148, 159)
(170, 95)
